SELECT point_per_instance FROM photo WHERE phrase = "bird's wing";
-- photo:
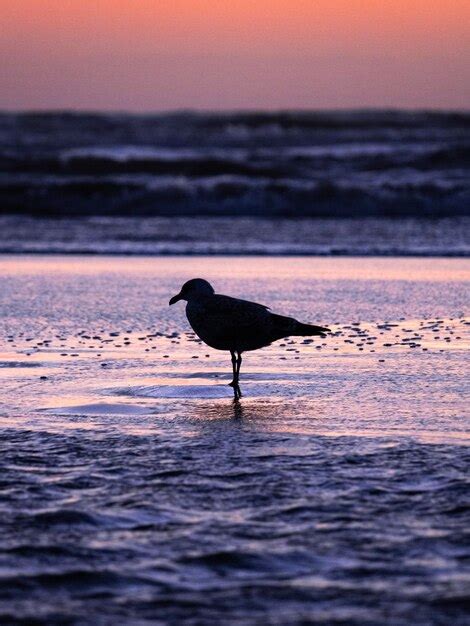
(231, 312)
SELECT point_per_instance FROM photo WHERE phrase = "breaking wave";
(293, 164)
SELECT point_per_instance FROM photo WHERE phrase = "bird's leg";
(239, 362)
(237, 374)
(234, 369)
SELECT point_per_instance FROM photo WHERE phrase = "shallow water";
(133, 489)
(243, 236)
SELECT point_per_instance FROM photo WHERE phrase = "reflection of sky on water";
(94, 339)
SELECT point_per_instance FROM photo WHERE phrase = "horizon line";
(232, 111)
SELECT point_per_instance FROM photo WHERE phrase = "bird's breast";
(208, 328)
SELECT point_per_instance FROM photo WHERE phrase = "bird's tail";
(288, 326)
(309, 329)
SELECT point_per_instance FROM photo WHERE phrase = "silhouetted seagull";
(226, 323)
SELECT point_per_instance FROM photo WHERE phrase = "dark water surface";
(292, 163)
(351, 183)
(134, 491)
(232, 525)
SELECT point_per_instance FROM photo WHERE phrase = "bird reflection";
(220, 411)
(237, 410)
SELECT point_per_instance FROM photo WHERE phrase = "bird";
(236, 325)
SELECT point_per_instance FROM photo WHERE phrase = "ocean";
(343, 183)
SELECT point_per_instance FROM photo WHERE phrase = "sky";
(152, 55)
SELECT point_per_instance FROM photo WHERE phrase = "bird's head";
(193, 288)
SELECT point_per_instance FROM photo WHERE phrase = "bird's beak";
(175, 299)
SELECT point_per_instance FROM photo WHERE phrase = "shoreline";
(255, 254)
(235, 237)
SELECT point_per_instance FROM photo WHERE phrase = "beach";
(135, 490)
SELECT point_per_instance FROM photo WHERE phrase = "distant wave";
(233, 195)
(298, 164)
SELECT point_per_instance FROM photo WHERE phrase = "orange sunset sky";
(146, 55)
